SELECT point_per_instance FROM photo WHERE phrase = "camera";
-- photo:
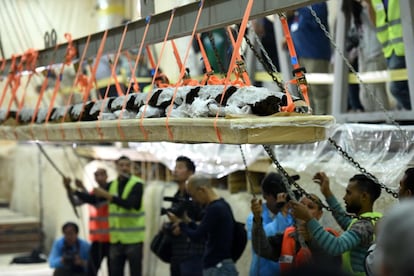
(179, 206)
(296, 193)
(69, 258)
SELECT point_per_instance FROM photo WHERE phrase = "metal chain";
(351, 160)
(348, 64)
(248, 177)
(271, 71)
(303, 192)
(216, 53)
(387, 114)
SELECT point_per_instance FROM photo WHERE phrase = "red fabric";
(97, 224)
(289, 256)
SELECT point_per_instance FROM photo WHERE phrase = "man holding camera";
(69, 254)
(186, 257)
(274, 219)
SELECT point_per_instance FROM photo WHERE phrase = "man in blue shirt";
(274, 220)
(69, 254)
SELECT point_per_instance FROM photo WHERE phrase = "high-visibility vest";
(346, 257)
(126, 226)
(290, 255)
(389, 28)
(98, 223)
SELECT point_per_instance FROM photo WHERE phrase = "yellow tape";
(366, 77)
(113, 9)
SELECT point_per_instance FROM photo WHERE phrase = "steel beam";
(216, 14)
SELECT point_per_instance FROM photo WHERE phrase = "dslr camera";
(180, 205)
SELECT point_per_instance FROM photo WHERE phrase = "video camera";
(180, 205)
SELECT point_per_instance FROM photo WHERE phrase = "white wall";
(24, 23)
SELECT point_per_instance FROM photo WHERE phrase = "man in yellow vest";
(386, 16)
(358, 234)
(126, 219)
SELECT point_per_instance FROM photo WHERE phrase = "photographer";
(186, 255)
(69, 254)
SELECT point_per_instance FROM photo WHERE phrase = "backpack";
(239, 240)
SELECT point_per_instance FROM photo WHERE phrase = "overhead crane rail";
(280, 129)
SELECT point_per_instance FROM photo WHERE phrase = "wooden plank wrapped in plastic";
(245, 114)
(282, 128)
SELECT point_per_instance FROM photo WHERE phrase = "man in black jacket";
(186, 255)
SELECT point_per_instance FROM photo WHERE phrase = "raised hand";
(256, 207)
(323, 180)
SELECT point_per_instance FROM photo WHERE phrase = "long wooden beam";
(278, 129)
(216, 14)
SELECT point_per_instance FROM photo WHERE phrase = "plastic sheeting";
(383, 150)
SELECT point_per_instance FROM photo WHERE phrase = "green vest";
(389, 28)
(126, 226)
(346, 257)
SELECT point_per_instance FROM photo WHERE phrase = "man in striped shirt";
(358, 234)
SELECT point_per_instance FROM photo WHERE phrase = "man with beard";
(186, 255)
(126, 219)
(358, 234)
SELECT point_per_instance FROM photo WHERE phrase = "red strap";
(118, 87)
(78, 76)
(71, 50)
(182, 71)
(290, 105)
(12, 71)
(209, 71)
(150, 58)
(239, 71)
(95, 66)
(294, 59)
(31, 60)
(15, 84)
(144, 36)
(149, 94)
(42, 91)
(177, 55)
(232, 61)
(3, 65)
(70, 54)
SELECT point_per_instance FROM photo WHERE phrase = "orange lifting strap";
(79, 79)
(183, 70)
(31, 60)
(149, 94)
(232, 61)
(298, 72)
(118, 87)
(240, 69)
(141, 46)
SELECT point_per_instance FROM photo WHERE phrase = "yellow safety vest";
(346, 257)
(126, 226)
(389, 28)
